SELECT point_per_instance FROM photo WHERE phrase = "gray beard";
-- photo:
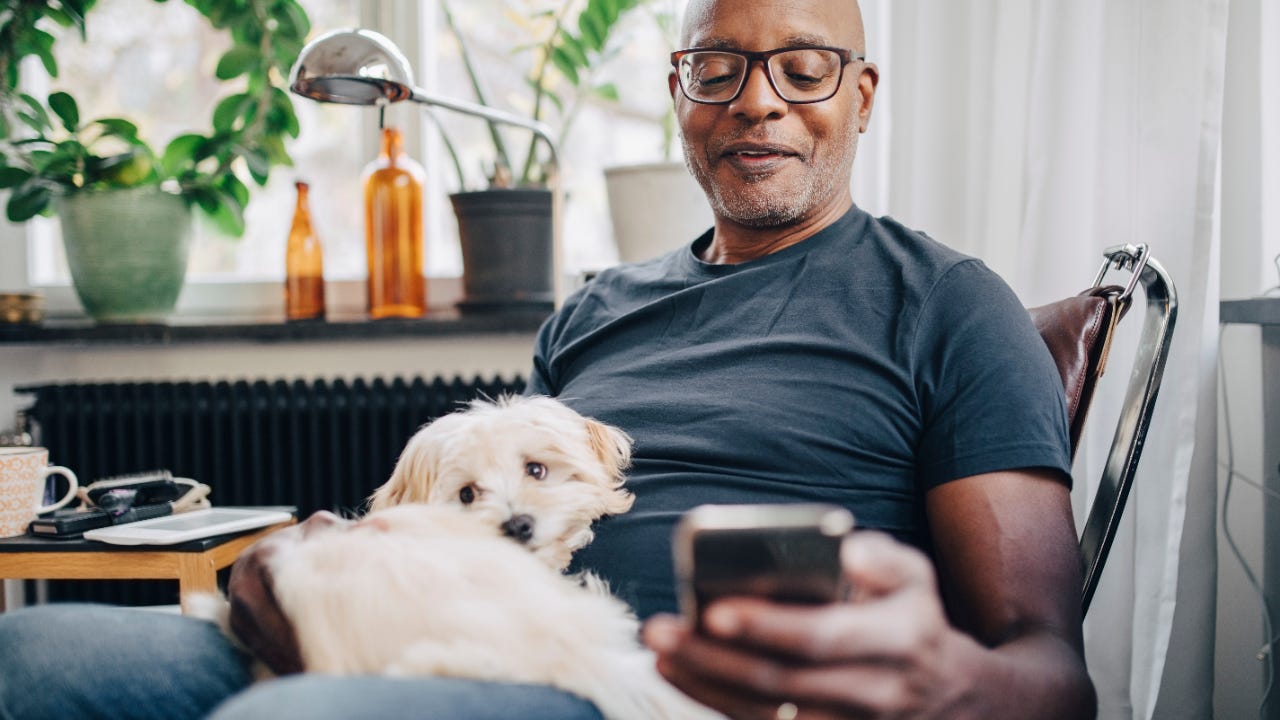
(776, 209)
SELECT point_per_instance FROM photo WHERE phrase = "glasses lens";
(709, 76)
(806, 74)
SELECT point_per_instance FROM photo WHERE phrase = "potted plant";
(505, 228)
(126, 209)
(656, 206)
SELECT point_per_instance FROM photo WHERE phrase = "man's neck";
(734, 243)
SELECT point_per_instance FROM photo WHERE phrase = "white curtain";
(1034, 134)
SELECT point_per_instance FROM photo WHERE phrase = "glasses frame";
(846, 57)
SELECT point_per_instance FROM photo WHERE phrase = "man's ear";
(868, 79)
(672, 84)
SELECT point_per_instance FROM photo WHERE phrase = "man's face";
(762, 161)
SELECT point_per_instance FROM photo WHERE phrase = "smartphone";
(788, 553)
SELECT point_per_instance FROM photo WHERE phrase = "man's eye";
(536, 470)
(467, 495)
(804, 81)
(714, 81)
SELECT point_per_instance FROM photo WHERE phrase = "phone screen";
(789, 553)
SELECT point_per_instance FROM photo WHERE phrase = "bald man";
(995, 632)
(799, 350)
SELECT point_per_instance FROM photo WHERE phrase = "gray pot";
(127, 251)
(507, 252)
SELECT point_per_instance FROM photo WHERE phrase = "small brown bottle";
(303, 266)
(393, 231)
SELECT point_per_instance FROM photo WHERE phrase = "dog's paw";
(209, 606)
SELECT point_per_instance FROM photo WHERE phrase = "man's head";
(764, 161)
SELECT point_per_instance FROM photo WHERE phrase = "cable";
(1264, 654)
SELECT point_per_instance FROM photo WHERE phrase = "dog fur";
(436, 590)
(484, 454)
(456, 570)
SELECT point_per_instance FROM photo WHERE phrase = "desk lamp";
(362, 67)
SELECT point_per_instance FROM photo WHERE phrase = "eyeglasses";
(798, 75)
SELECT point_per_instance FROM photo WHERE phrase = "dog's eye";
(467, 495)
(536, 470)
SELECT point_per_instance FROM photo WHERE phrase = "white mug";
(22, 480)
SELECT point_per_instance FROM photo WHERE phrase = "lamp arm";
(541, 130)
(543, 133)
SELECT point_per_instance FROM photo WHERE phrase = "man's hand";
(888, 653)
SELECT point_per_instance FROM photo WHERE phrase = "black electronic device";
(788, 552)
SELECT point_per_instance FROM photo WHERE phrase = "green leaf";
(237, 61)
(227, 214)
(65, 107)
(37, 119)
(293, 20)
(182, 153)
(257, 162)
(607, 10)
(27, 201)
(282, 107)
(231, 185)
(573, 49)
(43, 48)
(230, 109)
(606, 91)
(593, 29)
(562, 61)
(12, 177)
(119, 127)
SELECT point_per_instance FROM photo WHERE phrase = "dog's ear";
(412, 478)
(612, 446)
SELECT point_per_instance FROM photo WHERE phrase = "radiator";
(321, 444)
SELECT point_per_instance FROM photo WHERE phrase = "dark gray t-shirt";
(862, 367)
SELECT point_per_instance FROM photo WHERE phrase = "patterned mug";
(22, 481)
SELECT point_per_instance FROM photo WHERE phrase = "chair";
(1078, 332)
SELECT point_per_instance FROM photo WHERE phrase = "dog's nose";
(519, 527)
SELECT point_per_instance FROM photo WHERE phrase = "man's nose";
(758, 100)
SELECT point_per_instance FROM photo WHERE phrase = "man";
(801, 350)
(806, 351)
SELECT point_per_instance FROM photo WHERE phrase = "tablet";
(173, 529)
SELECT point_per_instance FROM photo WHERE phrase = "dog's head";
(536, 469)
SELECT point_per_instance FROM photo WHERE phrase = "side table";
(193, 564)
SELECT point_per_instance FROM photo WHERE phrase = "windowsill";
(194, 329)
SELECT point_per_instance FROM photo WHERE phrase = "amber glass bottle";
(303, 266)
(393, 231)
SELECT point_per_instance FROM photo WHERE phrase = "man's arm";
(1007, 646)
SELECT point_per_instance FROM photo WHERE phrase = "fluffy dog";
(531, 466)
(437, 590)
(457, 568)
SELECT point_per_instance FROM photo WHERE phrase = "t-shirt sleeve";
(540, 381)
(990, 394)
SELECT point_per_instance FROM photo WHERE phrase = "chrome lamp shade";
(352, 67)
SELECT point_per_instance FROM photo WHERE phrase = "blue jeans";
(92, 661)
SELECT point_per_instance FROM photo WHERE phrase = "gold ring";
(786, 711)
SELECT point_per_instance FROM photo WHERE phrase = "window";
(153, 63)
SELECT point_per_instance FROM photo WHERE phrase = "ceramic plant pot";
(507, 253)
(127, 251)
(655, 207)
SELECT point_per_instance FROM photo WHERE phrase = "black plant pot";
(507, 252)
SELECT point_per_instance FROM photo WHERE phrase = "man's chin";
(758, 210)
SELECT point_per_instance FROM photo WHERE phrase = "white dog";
(456, 569)
(436, 590)
(531, 466)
